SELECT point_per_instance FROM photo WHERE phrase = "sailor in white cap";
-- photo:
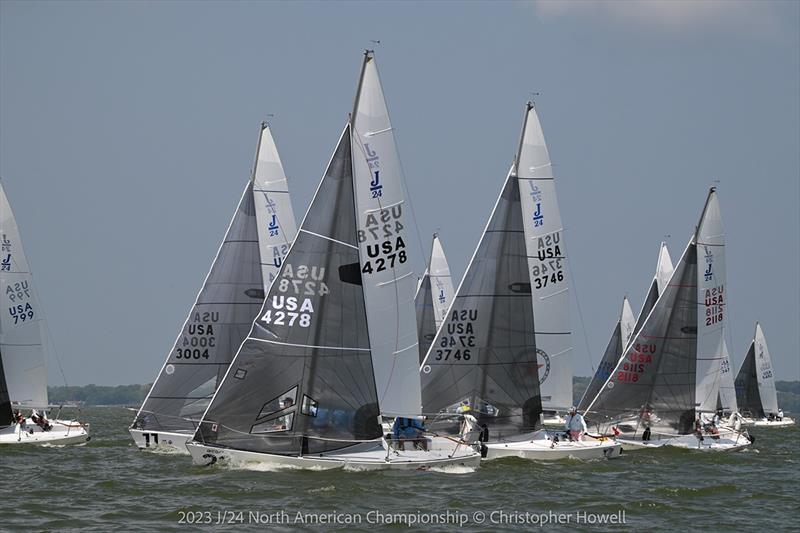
(576, 425)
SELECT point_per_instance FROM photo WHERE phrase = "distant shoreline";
(133, 395)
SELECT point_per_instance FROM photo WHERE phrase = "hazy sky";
(128, 129)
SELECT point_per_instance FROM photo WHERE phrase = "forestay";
(547, 263)
(614, 350)
(484, 356)
(21, 349)
(433, 298)
(302, 382)
(387, 273)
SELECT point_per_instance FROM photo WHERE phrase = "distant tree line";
(788, 394)
(99, 394)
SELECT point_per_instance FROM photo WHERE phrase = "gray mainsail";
(303, 382)
(485, 352)
(217, 324)
(747, 396)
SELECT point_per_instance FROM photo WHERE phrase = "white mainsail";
(764, 373)
(21, 348)
(547, 259)
(274, 214)
(387, 273)
(711, 306)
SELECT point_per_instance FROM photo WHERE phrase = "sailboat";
(334, 351)
(627, 326)
(614, 350)
(23, 372)
(258, 238)
(433, 298)
(755, 386)
(484, 359)
(670, 371)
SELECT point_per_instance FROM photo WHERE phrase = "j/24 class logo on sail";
(273, 226)
(536, 196)
(709, 261)
(373, 160)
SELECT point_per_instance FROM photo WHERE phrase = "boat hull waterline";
(544, 448)
(365, 456)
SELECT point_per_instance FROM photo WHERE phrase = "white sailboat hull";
(364, 456)
(774, 423)
(540, 447)
(725, 442)
(161, 441)
(63, 432)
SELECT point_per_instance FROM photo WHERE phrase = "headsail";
(547, 264)
(485, 351)
(614, 350)
(679, 343)
(433, 298)
(383, 243)
(302, 382)
(21, 320)
(274, 214)
(258, 237)
(748, 397)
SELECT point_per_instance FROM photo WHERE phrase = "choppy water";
(108, 484)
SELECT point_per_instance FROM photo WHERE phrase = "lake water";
(108, 484)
